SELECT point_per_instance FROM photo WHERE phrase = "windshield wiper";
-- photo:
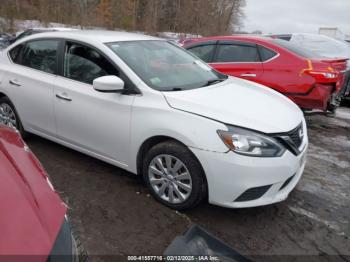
(214, 81)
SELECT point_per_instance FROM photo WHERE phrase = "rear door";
(30, 83)
(240, 59)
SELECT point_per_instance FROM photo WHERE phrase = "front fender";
(158, 119)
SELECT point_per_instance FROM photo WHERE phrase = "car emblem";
(301, 133)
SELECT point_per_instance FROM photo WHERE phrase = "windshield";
(164, 66)
(297, 49)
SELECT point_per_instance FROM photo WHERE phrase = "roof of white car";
(97, 36)
(53, 29)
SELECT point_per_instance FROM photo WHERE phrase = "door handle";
(14, 83)
(64, 97)
(248, 75)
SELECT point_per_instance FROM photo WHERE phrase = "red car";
(311, 81)
(33, 224)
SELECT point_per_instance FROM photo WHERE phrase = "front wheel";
(174, 176)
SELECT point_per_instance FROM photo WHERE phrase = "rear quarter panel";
(285, 74)
(2, 73)
(5, 65)
(1, 68)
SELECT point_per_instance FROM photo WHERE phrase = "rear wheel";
(9, 116)
(332, 108)
(174, 176)
(334, 103)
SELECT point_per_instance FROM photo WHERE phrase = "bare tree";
(202, 17)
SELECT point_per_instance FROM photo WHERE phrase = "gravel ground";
(114, 214)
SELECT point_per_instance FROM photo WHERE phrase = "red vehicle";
(311, 81)
(32, 222)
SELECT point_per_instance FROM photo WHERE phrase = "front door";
(87, 119)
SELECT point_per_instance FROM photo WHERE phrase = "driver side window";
(85, 64)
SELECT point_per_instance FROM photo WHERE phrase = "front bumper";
(237, 181)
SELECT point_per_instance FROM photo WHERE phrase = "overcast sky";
(289, 16)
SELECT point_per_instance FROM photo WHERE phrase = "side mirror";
(108, 84)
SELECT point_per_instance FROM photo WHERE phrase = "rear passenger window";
(15, 52)
(266, 54)
(204, 52)
(85, 64)
(237, 53)
(41, 55)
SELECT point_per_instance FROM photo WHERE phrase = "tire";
(182, 157)
(332, 108)
(6, 104)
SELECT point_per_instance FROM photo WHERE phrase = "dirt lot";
(114, 214)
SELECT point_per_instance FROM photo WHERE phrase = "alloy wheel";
(170, 179)
(8, 116)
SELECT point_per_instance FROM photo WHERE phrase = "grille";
(253, 193)
(297, 136)
(293, 139)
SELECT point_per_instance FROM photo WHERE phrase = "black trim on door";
(60, 57)
(235, 42)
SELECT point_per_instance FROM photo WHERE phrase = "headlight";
(250, 143)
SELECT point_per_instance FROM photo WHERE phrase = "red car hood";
(31, 212)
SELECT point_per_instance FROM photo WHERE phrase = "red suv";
(311, 81)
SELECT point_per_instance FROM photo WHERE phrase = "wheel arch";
(3, 95)
(155, 140)
(148, 144)
(21, 128)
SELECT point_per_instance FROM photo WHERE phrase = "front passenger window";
(85, 64)
(41, 55)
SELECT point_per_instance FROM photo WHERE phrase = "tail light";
(324, 74)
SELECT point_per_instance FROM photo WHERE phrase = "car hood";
(241, 103)
(31, 211)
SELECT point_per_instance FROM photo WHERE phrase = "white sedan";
(148, 106)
